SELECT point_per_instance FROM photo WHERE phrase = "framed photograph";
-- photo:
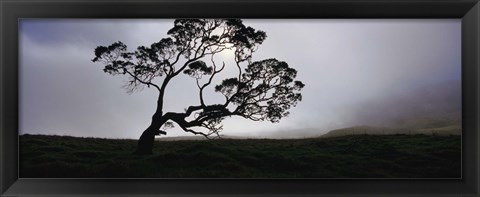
(349, 98)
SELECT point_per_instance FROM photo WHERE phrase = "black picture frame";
(12, 10)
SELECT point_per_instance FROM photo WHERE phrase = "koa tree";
(261, 90)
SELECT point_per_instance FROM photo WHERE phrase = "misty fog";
(388, 72)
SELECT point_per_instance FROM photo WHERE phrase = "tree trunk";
(145, 143)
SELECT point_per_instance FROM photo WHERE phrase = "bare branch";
(141, 81)
(195, 132)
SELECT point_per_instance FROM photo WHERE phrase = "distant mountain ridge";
(431, 110)
(371, 130)
(454, 129)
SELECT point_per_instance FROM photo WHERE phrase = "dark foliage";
(262, 90)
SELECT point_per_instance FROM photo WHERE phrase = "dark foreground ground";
(395, 156)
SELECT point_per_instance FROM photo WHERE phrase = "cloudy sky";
(348, 66)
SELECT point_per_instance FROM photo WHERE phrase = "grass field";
(362, 156)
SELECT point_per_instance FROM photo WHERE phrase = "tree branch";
(141, 81)
(215, 71)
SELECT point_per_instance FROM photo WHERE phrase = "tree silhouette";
(262, 90)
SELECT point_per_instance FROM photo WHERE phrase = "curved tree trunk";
(145, 143)
(146, 140)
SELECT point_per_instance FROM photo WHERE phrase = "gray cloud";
(345, 64)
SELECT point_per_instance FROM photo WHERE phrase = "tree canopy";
(261, 90)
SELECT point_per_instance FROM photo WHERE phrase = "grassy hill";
(362, 156)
